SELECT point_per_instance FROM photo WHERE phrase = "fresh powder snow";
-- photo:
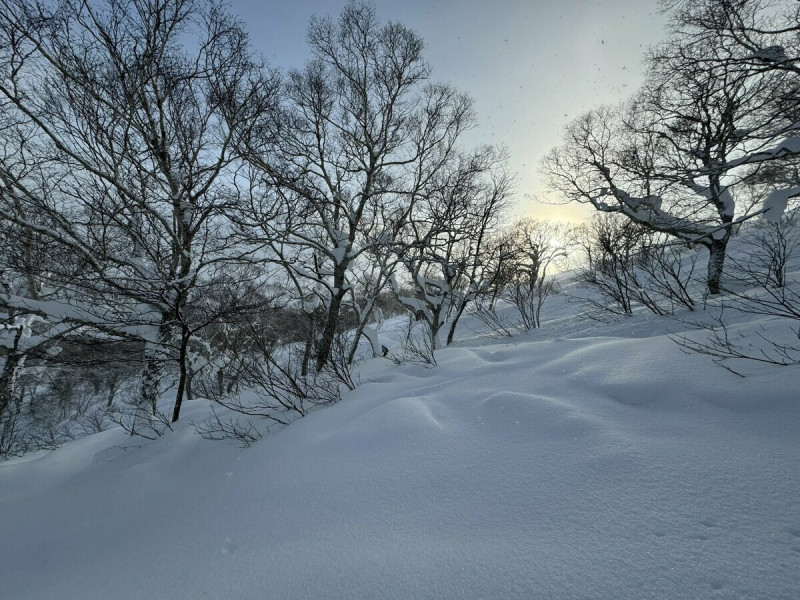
(581, 460)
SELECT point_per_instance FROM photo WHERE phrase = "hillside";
(582, 460)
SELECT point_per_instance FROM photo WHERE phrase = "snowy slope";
(591, 461)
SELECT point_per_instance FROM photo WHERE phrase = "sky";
(530, 65)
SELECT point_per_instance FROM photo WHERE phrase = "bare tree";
(367, 281)
(770, 245)
(130, 109)
(359, 134)
(673, 158)
(766, 33)
(445, 243)
(535, 246)
(616, 246)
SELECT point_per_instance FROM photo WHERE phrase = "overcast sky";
(530, 65)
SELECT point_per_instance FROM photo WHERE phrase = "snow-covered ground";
(583, 460)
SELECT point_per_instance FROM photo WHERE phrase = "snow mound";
(570, 462)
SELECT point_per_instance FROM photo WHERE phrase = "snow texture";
(577, 461)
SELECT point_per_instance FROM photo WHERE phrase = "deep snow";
(583, 460)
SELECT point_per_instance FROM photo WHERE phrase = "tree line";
(162, 189)
(193, 219)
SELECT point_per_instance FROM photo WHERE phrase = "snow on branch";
(776, 202)
(790, 146)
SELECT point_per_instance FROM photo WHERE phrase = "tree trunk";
(309, 345)
(8, 379)
(452, 331)
(436, 326)
(113, 385)
(155, 356)
(183, 374)
(360, 331)
(331, 323)
(716, 263)
(351, 351)
(151, 383)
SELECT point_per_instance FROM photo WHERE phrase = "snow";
(581, 460)
(776, 202)
(787, 147)
(338, 254)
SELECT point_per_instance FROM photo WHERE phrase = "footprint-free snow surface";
(565, 463)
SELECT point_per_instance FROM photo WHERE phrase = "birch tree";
(445, 245)
(360, 132)
(130, 109)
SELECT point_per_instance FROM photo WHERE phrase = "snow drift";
(591, 461)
